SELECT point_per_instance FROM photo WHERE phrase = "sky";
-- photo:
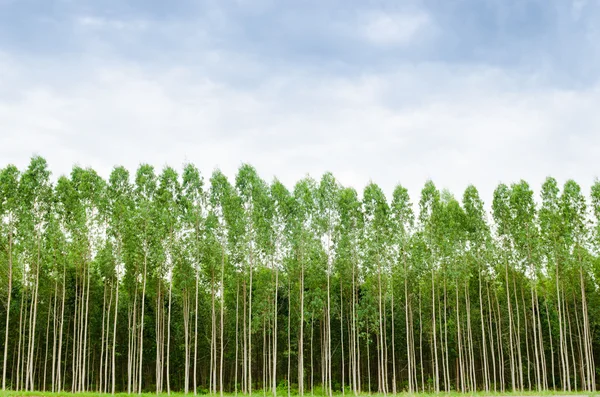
(395, 92)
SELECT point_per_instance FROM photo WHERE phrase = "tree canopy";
(159, 280)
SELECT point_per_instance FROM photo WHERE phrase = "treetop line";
(169, 282)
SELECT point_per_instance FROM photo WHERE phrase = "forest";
(166, 281)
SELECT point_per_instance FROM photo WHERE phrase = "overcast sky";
(457, 91)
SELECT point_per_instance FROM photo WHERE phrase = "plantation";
(158, 282)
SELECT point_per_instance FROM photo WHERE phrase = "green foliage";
(491, 298)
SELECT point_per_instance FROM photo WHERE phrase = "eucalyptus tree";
(265, 289)
(377, 236)
(478, 236)
(106, 266)
(327, 220)
(57, 254)
(595, 243)
(346, 262)
(145, 246)
(350, 224)
(266, 243)
(71, 215)
(35, 193)
(194, 203)
(525, 235)
(120, 209)
(9, 209)
(88, 231)
(253, 193)
(168, 196)
(244, 186)
(225, 213)
(450, 246)
(80, 199)
(402, 224)
(573, 211)
(419, 265)
(64, 201)
(264, 276)
(184, 280)
(305, 225)
(232, 217)
(211, 261)
(503, 220)
(283, 211)
(552, 234)
(428, 208)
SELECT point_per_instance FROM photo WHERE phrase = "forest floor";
(260, 393)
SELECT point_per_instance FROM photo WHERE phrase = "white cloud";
(577, 7)
(478, 127)
(96, 22)
(394, 28)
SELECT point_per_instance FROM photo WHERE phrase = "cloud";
(394, 28)
(481, 127)
(96, 22)
(216, 90)
(577, 7)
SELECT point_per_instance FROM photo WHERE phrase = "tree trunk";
(60, 338)
(274, 373)
(237, 302)
(434, 331)
(141, 344)
(114, 344)
(222, 319)
(10, 268)
(301, 332)
(169, 339)
(342, 336)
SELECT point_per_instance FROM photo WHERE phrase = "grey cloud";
(454, 123)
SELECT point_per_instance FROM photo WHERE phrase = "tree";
(120, 209)
(9, 207)
(327, 219)
(402, 218)
(194, 216)
(350, 224)
(478, 250)
(428, 207)
(108, 286)
(377, 232)
(35, 191)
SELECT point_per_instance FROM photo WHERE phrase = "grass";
(260, 393)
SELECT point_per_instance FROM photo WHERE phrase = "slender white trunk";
(169, 338)
(250, 328)
(222, 318)
(274, 373)
(141, 344)
(237, 306)
(54, 333)
(60, 337)
(342, 336)
(10, 268)
(5, 362)
(289, 341)
(301, 335)
(101, 384)
(196, 334)
(486, 377)
(186, 320)
(46, 354)
(114, 343)
(434, 331)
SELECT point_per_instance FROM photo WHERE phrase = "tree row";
(159, 281)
